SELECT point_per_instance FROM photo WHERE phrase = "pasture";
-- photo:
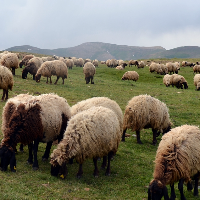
(132, 167)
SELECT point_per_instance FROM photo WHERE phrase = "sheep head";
(56, 169)
(37, 78)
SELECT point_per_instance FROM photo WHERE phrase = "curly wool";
(99, 101)
(130, 75)
(178, 155)
(10, 60)
(146, 111)
(6, 78)
(91, 133)
(89, 69)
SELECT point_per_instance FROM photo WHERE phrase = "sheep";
(153, 67)
(69, 63)
(79, 62)
(197, 81)
(49, 68)
(172, 68)
(144, 111)
(196, 69)
(40, 119)
(93, 133)
(141, 64)
(164, 69)
(183, 64)
(167, 80)
(25, 60)
(108, 62)
(177, 65)
(133, 62)
(48, 58)
(3, 53)
(89, 70)
(113, 63)
(87, 60)
(130, 75)
(119, 67)
(11, 61)
(99, 101)
(103, 62)
(32, 66)
(95, 63)
(6, 81)
(177, 159)
(179, 81)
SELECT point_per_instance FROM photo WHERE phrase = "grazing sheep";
(177, 159)
(99, 101)
(87, 60)
(93, 133)
(95, 63)
(155, 67)
(167, 80)
(143, 112)
(164, 69)
(133, 62)
(25, 60)
(48, 58)
(3, 53)
(69, 63)
(177, 65)
(197, 81)
(89, 70)
(183, 64)
(130, 75)
(32, 66)
(119, 67)
(6, 81)
(49, 68)
(40, 119)
(141, 64)
(11, 61)
(108, 62)
(79, 62)
(196, 69)
(172, 68)
(113, 63)
(179, 81)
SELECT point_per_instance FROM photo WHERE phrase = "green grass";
(132, 167)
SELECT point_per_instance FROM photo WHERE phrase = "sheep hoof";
(35, 168)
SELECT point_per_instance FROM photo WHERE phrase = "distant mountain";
(104, 51)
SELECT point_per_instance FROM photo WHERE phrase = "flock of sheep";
(93, 128)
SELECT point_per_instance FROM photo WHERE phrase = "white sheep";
(49, 68)
(133, 62)
(119, 67)
(95, 63)
(79, 62)
(69, 63)
(130, 75)
(32, 67)
(179, 81)
(6, 81)
(40, 119)
(197, 81)
(196, 69)
(177, 159)
(167, 80)
(89, 71)
(113, 63)
(11, 61)
(172, 68)
(92, 133)
(141, 64)
(143, 112)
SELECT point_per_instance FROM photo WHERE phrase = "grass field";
(132, 167)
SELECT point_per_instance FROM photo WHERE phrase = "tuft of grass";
(132, 167)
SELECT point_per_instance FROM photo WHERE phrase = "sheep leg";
(138, 137)
(92, 82)
(196, 177)
(30, 150)
(4, 92)
(6, 95)
(35, 150)
(108, 166)
(33, 77)
(56, 80)
(180, 187)
(173, 195)
(123, 135)
(63, 80)
(50, 80)
(47, 151)
(87, 80)
(104, 163)
(13, 70)
(96, 171)
(80, 171)
(47, 81)
(154, 136)
(189, 186)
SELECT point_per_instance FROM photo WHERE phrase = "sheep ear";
(165, 192)
(149, 194)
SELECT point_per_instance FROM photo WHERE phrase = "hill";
(104, 51)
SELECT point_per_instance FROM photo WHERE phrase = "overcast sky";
(52, 24)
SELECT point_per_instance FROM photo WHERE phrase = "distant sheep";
(11, 61)
(42, 118)
(87, 60)
(196, 69)
(32, 67)
(177, 159)
(197, 81)
(143, 112)
(25, 60)
(57, 68)
(133, 62)
(89, 70)
(179, 81)
(95, 63)
(113, 63)
(6, 81)
(141, 64)
(92, 133)
(172, 68)
(119, 67)
(69, 63)
(79, 62)
(130, 75)
(167, 80)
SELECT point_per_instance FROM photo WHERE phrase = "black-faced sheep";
(197, 81)
(93, 133)
(6, 81)
(32, 67)
(130, 75)
(196, 69)
(179, 81)
(25, 60)
(143, 112)
(56, 67)
(177, 159)
(11, 61)
(89, 70)
(141, 64)
(133, 62)
(113, 63)
(41, 119)
(172, 68)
